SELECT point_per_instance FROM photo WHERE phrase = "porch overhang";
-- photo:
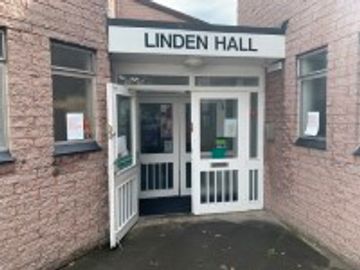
(127, 36)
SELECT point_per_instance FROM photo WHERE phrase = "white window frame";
(79, 74)
(3, 91)
(318, 74)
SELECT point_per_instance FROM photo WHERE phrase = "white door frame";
(123, 184)
(246, 169)
(179, 157)
(185, 157)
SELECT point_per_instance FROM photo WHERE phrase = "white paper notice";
(230, 128)
(313, 124)
(75, 126)
(122, 146)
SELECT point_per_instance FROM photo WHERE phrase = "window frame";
(3, 92)
(78, 74)
(3, 43)
(317, 142)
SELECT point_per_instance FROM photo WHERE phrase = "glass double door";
(165, 146)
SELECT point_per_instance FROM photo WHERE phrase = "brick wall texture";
(52, 209)
(318, 192)
(131, 9)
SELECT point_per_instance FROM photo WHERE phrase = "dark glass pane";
(227, 186)
(143, 177)
(124, 133)
(188, 127)
(163, 175)
(2, 108)
(71, 95)
(151, 178)
(188, 175)
(314, 100)
(71, 57)
(226, 81)
(2, 45)
(313, 62)
(212, 187)
(203, 185)
(171, 175)
(156, 128)
(157, 176)
(219, 187)
(153, 79)
(254, 125)
(235, 186)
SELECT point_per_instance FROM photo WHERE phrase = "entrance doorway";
(165, 153)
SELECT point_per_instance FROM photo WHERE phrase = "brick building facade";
(52, 207)
(315, 191)
(54, 204)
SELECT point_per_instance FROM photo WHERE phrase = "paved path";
(233, 242)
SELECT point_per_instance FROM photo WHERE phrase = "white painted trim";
(116, 181)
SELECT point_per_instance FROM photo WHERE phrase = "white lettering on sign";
(124, 39)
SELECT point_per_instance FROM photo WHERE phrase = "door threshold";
(165, 206)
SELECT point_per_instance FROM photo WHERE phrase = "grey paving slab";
(212, 243)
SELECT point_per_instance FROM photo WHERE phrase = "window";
(3, 142)
(138, 79)
(226, 81)
(124, 133)
(73, 82)
(312, 74)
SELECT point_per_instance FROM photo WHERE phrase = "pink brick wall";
(318, 192)
(131, 9)
(51, 209)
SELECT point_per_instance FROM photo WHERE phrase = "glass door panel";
(159, 142)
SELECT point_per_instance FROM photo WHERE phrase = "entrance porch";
(186, 123)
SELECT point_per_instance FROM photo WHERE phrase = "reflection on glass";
(254, 125)
(156, 128)
(124, 143)
(219, 128)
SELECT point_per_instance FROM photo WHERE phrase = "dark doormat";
(162, 206)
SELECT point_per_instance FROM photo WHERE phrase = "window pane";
(188, 127)
(254, 125)
(156, 128)
(219, 128)
(314, 100)
(2, 109)
(226, 81)
(2, 44)
(124, 133)
(71, 95)
(71, 57)
(313, 62)
(153, 79)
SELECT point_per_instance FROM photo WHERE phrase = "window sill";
(76, 148)
(311, 142)
(5, 157)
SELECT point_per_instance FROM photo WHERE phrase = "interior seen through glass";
(219, 122)
(156, 128)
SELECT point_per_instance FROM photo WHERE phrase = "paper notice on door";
(230, 128)
(122, 146)
(75, 126)
(313, 124)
